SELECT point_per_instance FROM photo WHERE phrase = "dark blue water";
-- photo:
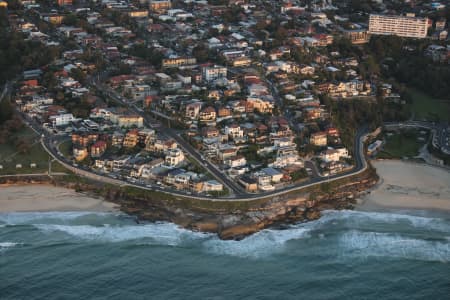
(344, 255)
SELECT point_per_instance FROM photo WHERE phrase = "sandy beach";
(406, 185)
(21, 198)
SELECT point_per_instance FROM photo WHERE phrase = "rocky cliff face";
(229, 219)
(239, 223)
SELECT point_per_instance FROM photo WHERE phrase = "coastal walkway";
(34, 175)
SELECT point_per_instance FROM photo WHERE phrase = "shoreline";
(406, 185)
(42, 197)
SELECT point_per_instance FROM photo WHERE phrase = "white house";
(236, 161)
(212, 185)
(275, 175)
(234, 131)
(213, 72)
(62, 119)
(330, 155)
(174, 157)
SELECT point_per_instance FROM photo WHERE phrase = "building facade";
(403, 26)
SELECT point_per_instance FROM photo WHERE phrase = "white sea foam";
(376, 244)
(271, 241)
(260, 244)
(8, 244)
(20, 218)
(158, 233)
(263, 243)
(356, 218)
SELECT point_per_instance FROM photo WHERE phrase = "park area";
(22, 153)
(402, 144)
(427, 108)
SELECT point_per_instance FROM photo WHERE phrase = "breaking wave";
(260, 244)
(359, 233)
(157, 233)
(358, 218)
(8, 244)
(375, 244)
(22, 218)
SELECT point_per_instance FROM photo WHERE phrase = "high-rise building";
(404, 26)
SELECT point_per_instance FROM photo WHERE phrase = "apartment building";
(357, 36)
(213, 73)
(404, 26)
(179, 61)
(64, 2)
(160, 5)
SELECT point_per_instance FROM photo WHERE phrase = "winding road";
(48, 143)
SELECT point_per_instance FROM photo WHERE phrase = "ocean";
(343, 255)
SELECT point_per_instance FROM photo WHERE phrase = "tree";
(299, 174)
(6, 111)
(201, 53)
(78, 75)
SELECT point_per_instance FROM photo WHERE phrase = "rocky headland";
(230, 219)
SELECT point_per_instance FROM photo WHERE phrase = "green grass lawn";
(9, 157)
(428, 108)
(403, 144)
(66, 148)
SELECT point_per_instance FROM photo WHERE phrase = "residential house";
(210, 132)
(161, 146)
(178, 61)
(174, 157)
(286, 156)
(250, 184)
(193, 110)
(226, 153)
(208, 114)
(275, 175)
(117, 139)
(212, 186)
(61, 119)
(211, 73)
(98, 148)
(234, 131)
(318, 139)
(160, 6)
(224, 112)
(80, 153)
(131, 139)
(84, 139)
(128, 121)
(235, 162)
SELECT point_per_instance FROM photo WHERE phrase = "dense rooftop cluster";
(251, 85)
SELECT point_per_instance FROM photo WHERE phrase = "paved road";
(34, 174)
(232, 186)
(361, 165)
(48, 143)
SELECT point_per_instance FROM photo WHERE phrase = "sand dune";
(48, 198)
